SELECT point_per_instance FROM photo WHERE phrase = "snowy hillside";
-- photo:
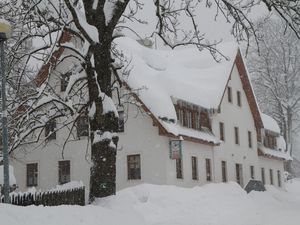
(214, 204)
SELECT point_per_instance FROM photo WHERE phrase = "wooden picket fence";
(75, 196)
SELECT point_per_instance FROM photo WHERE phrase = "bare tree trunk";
(103, 152)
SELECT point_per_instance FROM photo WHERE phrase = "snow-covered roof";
(187, 74)
(270, 123)
(274, 153)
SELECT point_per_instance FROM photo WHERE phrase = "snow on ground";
(212, 204)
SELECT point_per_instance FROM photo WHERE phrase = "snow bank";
(213, 204)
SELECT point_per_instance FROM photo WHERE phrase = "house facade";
(196, 122)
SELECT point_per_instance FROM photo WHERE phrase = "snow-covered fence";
(74, 196)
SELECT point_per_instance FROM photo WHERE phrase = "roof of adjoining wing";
(270, 124)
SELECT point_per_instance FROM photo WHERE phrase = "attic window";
(121, 121)
(82, 126)
(64, 81)
(50, 127)
(192, 117)
(270, 141)
(239, 100)
(229, 94)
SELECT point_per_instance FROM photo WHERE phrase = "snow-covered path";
(213, 204)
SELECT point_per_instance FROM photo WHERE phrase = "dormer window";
(192, 116)
(64, 81)
(270, 141)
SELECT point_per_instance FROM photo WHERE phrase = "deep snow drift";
(212, 204)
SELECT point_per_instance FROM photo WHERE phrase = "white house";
(185, 101)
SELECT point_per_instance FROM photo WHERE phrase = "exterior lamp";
(5, 33)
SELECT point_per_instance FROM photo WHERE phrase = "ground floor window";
(224, 171)
(32, 174)
(208, 169)
(179, 173)
(194, 168)
(252, 173)
(134, 167)
(279, 178)
(271, 177)
(239, 173)
(263, 179)
(64, 172)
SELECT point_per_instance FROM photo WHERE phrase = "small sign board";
(175, 149)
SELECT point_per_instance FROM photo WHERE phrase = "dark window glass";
(252, 175)
(32, 174)
(279, 178)
(208, 169)
(222, 134)
(239, 100)
(50, 127)
(179, 173)
(236, 135)
(134, 167)
(263, 179)
(194, 168)
(239, 173)
(271, 177)
(229, 94)
(224, 171)
(64, 80)
(121, 121)
(82, 126)
(64, 171)
(249, 139)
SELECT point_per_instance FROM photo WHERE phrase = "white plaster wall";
(275, 165)
(232, 116)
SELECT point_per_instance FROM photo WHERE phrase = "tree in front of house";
(275, 73)
(86, 30)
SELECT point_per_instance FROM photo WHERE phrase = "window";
(252, 173)
(32, 174)
(64, 80)
(239, 100)
(239, 173)
(263, 179)
(271, 177)
(50, 133)
(82, 126)
(222, 136)
(192, 116)
(189, 119)
(64, 172)
(194, 168)
(134, 167)
(270, 141)
(229, 94)
(224, 171)
(121, 121)
(249, 139)
(279, 178)
(179, 173)
(236, 135)
(208, 169)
